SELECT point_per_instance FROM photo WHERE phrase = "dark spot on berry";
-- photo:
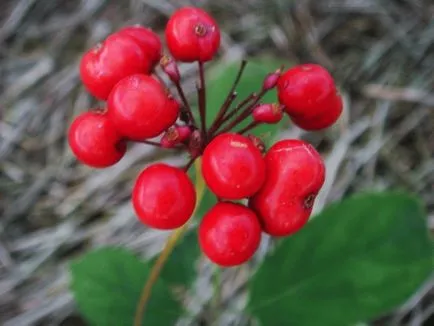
(308, 201)
(200, 29)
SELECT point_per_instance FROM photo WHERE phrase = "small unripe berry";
(95, 141)
(103, 66)
(295, 175)
(175, 135)
(271, 80)
(233, 168)
(268, 113)
(146, 39)
(229, 234)
(192, 35)
(163, 197)
(170, 67)
(140, 107)
(305, 90)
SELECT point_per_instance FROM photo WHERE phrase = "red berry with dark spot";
(331, 114)
(305, 90)
(232, 166)
(192, 35)
(140, 107)
(94, 140)
(163, 197)
(146, 39)
(295, 175)
(268, 113)
(229, 234)
(108, 62)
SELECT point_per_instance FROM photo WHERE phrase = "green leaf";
(222, 78)
(107, 284)
(358, 259)
(180, 268)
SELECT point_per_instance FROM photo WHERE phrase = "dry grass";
(52, 208)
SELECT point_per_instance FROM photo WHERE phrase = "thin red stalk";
(201, 94)
(250, 126)
(189, 163)
(219, 120)
(245, 113)
(230, 97)
(185, 102)
(149, 142)
(239, 107)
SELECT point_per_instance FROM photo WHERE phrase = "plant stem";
(187, 107)
(189, 163)
(149, 142)
(250, 126)
(201, 90)
(229, 98)
(245, 113)
(164, 255)
(216, 299)
(232, 113)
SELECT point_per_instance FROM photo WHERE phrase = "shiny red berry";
(163, 197)
(94, 140)
(305, 90)
(229, 234)
(108, 62)
(330, 115)
(233, 168)
(146, 39)
(192, 35)
(295, 175)
(268, 113)
(140, 107)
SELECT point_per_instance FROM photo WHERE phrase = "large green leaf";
(180, 268)
(107, 284)
(221, 80)
(358, 259)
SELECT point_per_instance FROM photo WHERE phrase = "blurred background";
(52, 208)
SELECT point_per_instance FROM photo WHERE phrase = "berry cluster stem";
(246, 112)
(229, 98)
(167, 250)
(202, 98)
(249, 127)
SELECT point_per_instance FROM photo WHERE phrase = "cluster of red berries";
(272, 192)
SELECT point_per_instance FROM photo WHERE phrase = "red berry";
(192, 35)
(229, 234)
(322, 121)
(163, 197)
(295, 174)
(268, 113)
(233, 168)
(140, 107)
(146, 39)
(108, 62)
(305, 90)
(94, 140)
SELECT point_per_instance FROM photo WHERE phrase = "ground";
(52, 208)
